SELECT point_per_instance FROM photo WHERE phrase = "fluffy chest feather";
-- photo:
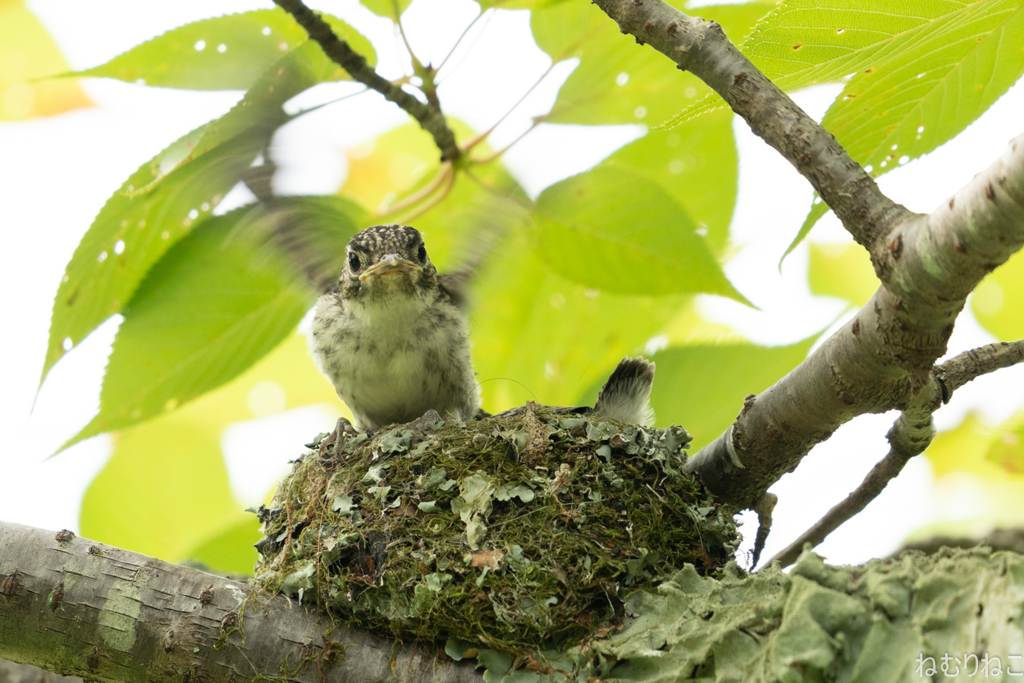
(392, 363)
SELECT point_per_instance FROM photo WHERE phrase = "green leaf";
(164, 491)
(996, 301)
(697, 164)
(232, 548)
(389, 9)
(614, 230)
(818, 209)
(617, 81)
(216, 303)
(537, 336)
(230, 52)
(167, 197)
(921, 73)
(936, 81)
(843, 271)
(805, 42)
(702, 387)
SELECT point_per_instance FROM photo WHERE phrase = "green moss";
(517, 531)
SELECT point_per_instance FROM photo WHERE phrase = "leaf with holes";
(942, 79)
(169, 195)
(807, 42)
(230, 52)
(612, 229)
(615, 81)
(216, 303)
(918, 74)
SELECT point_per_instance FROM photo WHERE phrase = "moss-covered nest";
(520, 531)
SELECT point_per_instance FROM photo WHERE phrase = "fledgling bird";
(626, 394)
(390, 336)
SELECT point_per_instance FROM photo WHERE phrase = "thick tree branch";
(76, 607)
(910, 435)
(927, 265)
(702, 48)
(884, 355)
(429, 118)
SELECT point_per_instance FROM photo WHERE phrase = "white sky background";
(56, 173)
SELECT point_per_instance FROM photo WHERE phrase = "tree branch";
(702, 48)
(927, 265)
(910, 435)
(81, 608)
(429, 118)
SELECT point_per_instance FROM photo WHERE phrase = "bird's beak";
(392, 263)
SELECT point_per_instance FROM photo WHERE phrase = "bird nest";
(522, 531)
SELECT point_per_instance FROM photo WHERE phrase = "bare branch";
(429, 118)
(970, 365)
(76, 607)
(702, 48)
(911, 434)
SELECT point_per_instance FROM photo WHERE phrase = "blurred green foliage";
(598, 267)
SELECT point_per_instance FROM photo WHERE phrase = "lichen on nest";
(521, 531)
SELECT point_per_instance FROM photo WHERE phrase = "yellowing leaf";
(843, 271)
(28, 52)
(996, 301)
(164, 490)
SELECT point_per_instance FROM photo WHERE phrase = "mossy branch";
(76, 607)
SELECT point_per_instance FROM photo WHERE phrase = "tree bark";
(75, 607)
(927, 265)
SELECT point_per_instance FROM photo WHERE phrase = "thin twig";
(910, 435)
(430, 119)
(449, 183)
(483, 136)
(458, 42)
(443, 172)
(497, 154)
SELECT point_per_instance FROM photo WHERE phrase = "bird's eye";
(353, 262)
(422, 254)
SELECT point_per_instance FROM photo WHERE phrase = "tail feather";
(626, 394)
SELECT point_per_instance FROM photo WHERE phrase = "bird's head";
(387, 261)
